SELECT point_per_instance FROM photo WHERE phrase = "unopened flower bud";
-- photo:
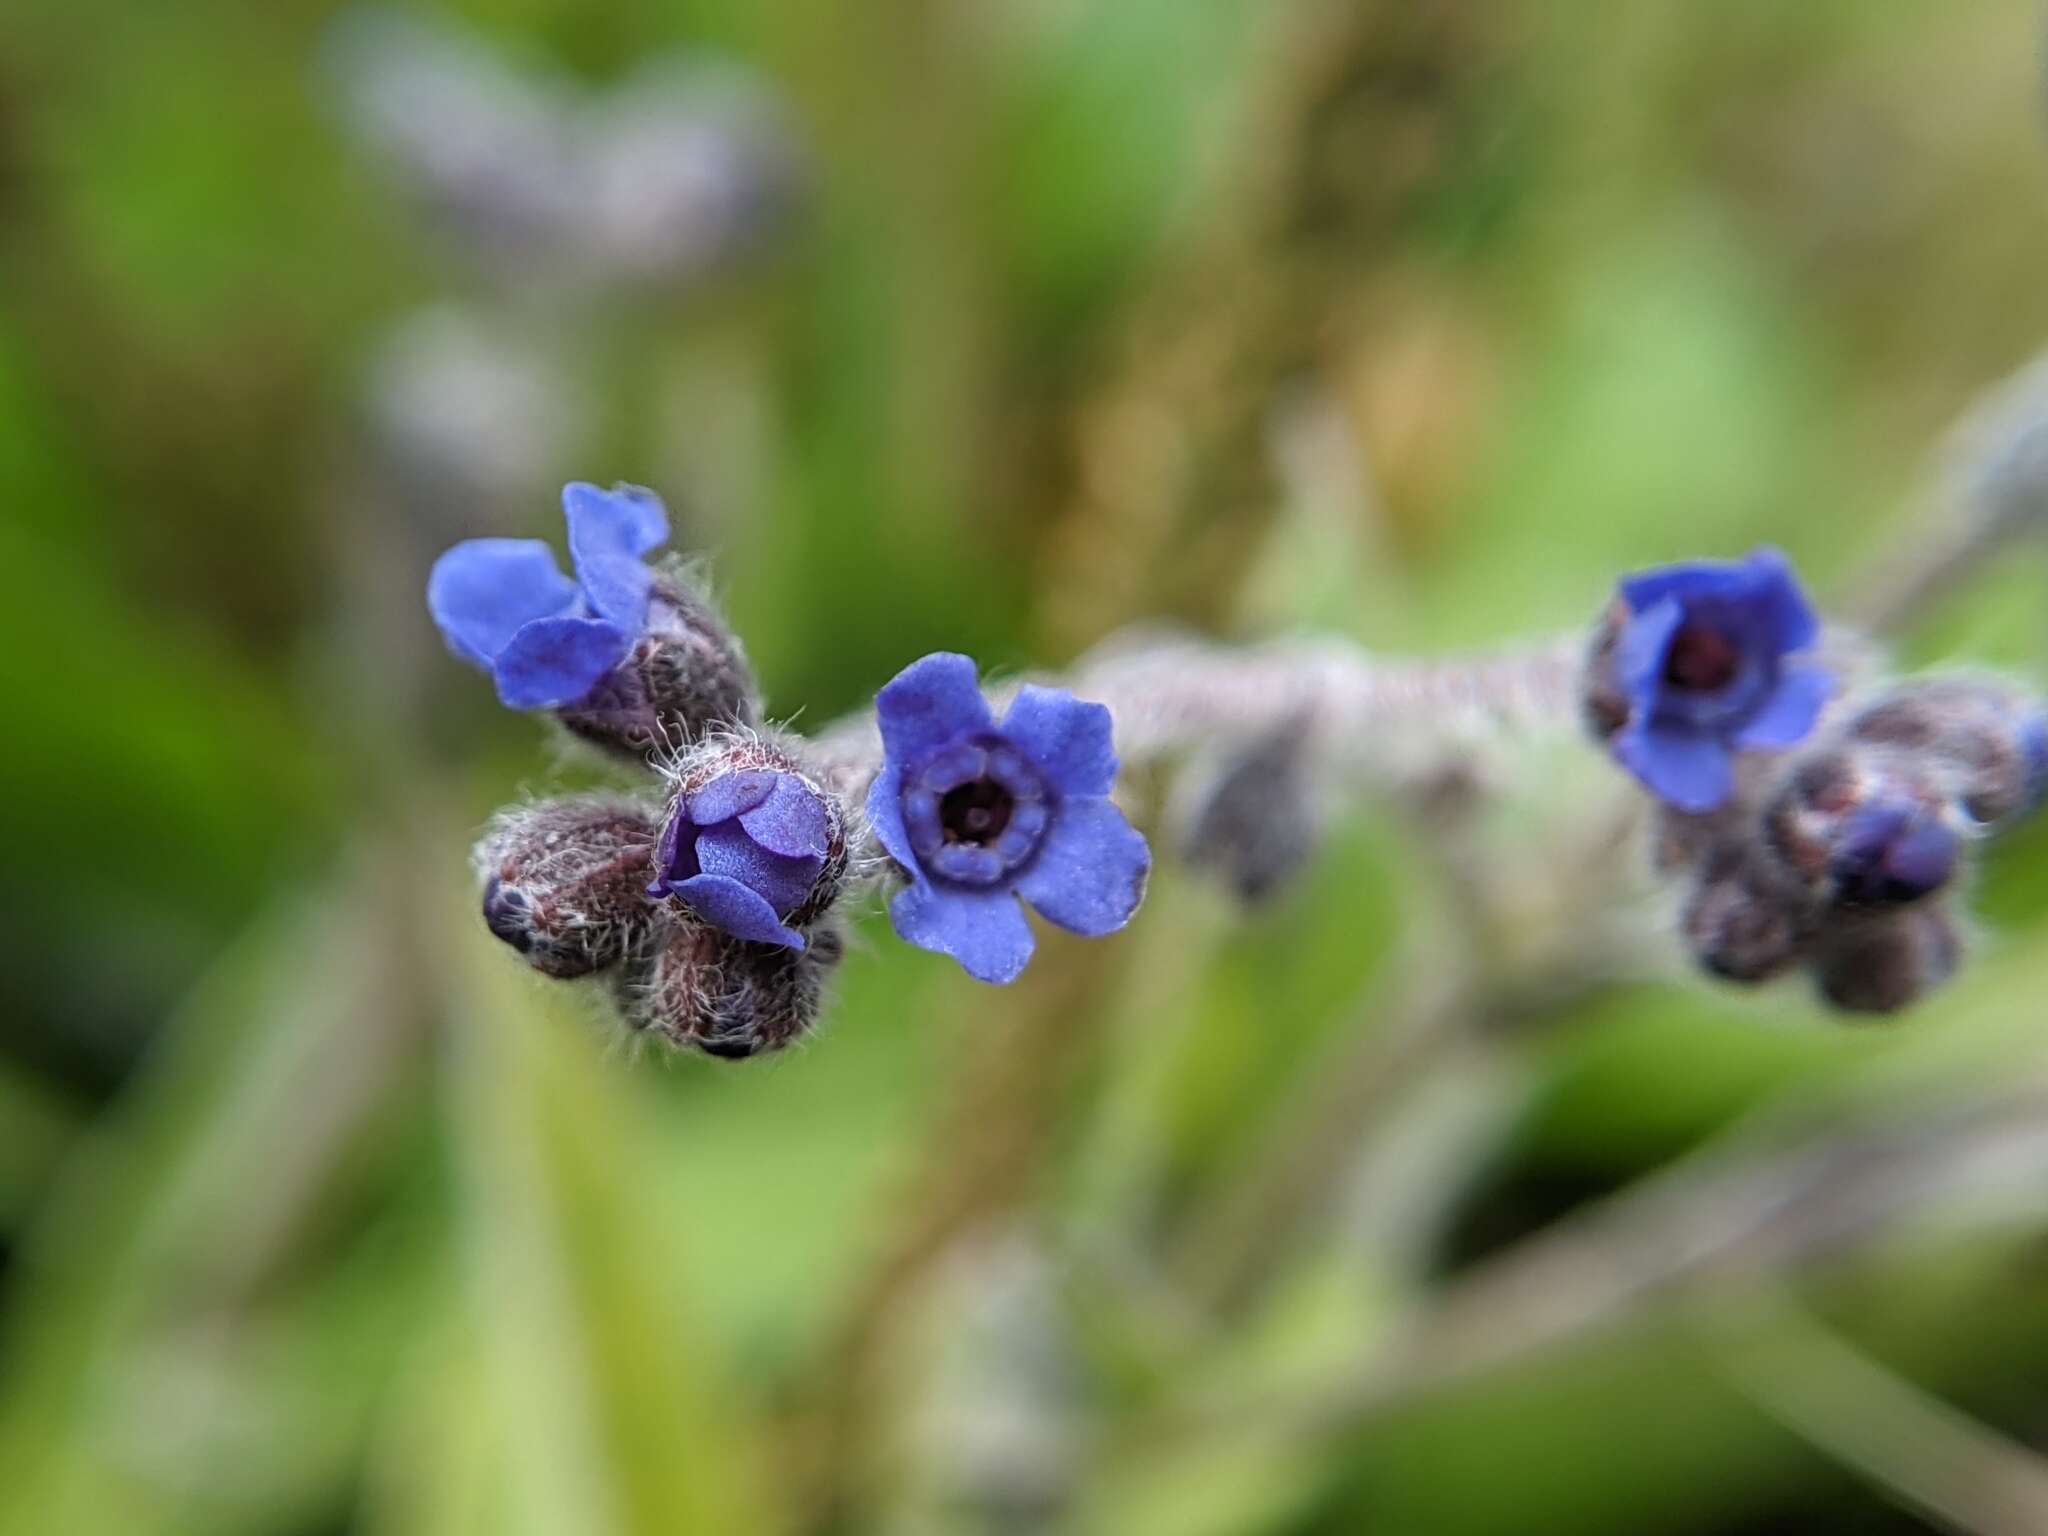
(564, 883)
(1257, 822)
(685, 676)
(1892, 852)
(1744, 922)
(1866, 825)
(751, 845)
(705, 990)
(1885, 961)
(1988, 738)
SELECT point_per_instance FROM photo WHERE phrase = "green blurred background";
(1384, 1209)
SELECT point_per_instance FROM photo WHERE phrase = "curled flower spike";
(504, 606)
(749, 844)
(1699, 662)
(980, 814)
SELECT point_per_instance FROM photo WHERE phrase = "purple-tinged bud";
(564, 883)
(685, 677)
(707, 991)
(1744, 922)
(1988, 738)
(1257, 822)
(1802, 823)
(1886, 961)
(750, 845)
(1864, 825)
(1893, 852)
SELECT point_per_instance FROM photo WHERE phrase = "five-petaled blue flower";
(979, 814)
(504, 605)
(745, 852)
(1708, 657)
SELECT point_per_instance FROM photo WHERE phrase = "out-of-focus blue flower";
(1893, 851)
(979, 814)
(1708, 660)
(745, 852)
(505, 606)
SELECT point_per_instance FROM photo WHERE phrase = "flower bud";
(1988, 739)
(705, 990)
(750, 844)
(1885, 961)
(685, 677)
(1865, 825)
(564, 883)
(1257, 823)
(1892, 852)
(1744, 922)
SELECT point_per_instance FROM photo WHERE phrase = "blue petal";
(792, 821)
(928, 703)
(482, 591)
(1685, 769)
(726, 904)
(552, 662)
(1068, 739)
(984, 930)
(1785, 718)
(1645, 643)
(885, 819)
(1891, 853)
(1090, 872)
(1721, 579)
(675, 853)
(629, 517)
(731, 793)
(608, 533)
(1779, 602)
(782, 882)
(2034, 746)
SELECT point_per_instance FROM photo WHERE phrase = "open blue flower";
(980, 814)
(745, 852)
(505, 606)
(1708, 660)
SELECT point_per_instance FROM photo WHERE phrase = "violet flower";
(980, 814)
(1708, 662)
(504, 606)
(746, 852)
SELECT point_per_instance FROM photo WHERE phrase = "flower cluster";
(1817, 834)
(712, 912)
(1815, 820)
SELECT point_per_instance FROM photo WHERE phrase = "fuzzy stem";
(1173, 694)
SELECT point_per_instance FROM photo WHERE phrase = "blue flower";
(1708, 662)
(979, 814)
(503, 604)
(746, 851)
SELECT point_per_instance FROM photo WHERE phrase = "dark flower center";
(1702, 659)
(975, 812)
